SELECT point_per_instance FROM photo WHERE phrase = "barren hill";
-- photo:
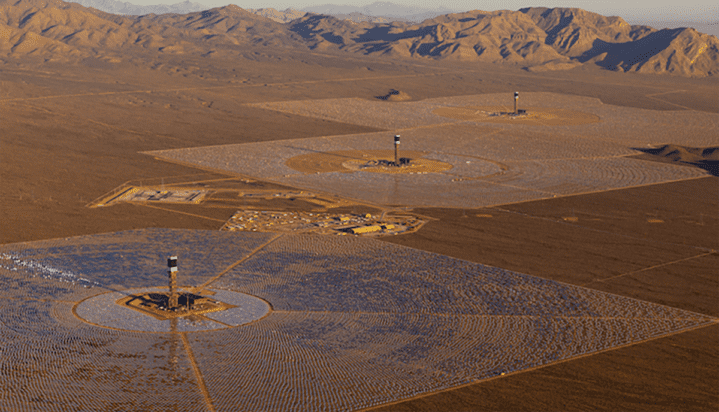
(535, 38)
(222, 28)
(52, 30)
(705, 158)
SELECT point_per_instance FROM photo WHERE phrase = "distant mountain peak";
(284, 16)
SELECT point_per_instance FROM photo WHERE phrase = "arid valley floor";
(561, 265)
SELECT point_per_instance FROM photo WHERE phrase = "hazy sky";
(696, 10)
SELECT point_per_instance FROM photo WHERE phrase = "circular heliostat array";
(115, 310)
(375, 161)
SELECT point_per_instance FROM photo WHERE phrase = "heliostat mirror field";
(352, 323)
(586, 147)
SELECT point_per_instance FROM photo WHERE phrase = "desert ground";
(574, 207)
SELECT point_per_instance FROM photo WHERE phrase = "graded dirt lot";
(69, 138)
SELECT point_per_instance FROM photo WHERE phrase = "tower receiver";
(172, 302)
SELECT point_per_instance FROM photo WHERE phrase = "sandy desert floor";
(638, 231)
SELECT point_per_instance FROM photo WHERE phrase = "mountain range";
(379, 11)
(534, 38)
(123, 7)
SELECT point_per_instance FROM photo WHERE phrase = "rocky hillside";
(535, 38)
(612, 43)
(57, 31)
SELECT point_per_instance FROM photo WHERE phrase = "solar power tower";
(172, 272)
(516, 98)
(396, 150)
